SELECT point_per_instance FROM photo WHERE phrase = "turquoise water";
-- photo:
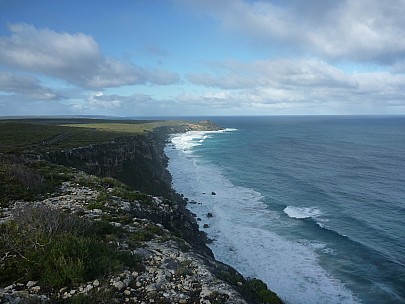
(314, 206)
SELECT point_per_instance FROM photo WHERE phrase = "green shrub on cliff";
(24, 179)
(57, 249)
(257, 289)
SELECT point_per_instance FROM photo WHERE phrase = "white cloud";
(75, 58)
(274, 73)
(100, 100)
(300, 84)
(360, 30)
(23, 85)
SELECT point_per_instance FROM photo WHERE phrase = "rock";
(35, 289)
(119, 285)
(88, 288)
(213, 193)
(96, 283)
(206, 226)
(151, 288)
(209, 214)
(31, 284)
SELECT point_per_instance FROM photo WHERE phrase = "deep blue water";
(314, 206)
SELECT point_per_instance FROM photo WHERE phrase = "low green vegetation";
(257, 289)
(145, 234)
(252, 288)
(25, 179)
(41, 135)
(58, 249)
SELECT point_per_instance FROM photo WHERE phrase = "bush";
(144, 234)
(46, 220)
(23, 179)
(26, 177)
(57, 249)
(258, 290)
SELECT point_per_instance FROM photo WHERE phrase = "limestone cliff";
(139, 161)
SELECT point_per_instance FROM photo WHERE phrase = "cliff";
(131, 247)
(139, 161)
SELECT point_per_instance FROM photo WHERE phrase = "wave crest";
(302, 212)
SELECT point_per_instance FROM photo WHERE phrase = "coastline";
(234, 219)
(122, 159)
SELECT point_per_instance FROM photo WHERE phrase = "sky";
(202, 57)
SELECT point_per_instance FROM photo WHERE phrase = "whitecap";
(302, 212)
(187, 141)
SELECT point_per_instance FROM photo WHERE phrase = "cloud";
(311, 73)
(75, 58)
(97, 100)
(27, 86)
(359, 30)
(295, 84)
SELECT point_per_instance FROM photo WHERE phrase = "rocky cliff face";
(139, 162)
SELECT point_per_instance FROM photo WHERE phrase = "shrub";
(46, 220)
(57, 249)
(144, 234)
(26, 177)
(258, 290)
(22, 179)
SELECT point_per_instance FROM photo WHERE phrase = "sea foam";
(302, 212)
(241, 229)
(187, 141)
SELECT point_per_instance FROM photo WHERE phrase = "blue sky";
(202, 57)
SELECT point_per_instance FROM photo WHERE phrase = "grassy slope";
(41, 135)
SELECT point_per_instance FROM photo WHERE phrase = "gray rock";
(151, 287)
(31, 284)
(119, 285)
(35, 289)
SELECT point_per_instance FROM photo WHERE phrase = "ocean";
(312, 205)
